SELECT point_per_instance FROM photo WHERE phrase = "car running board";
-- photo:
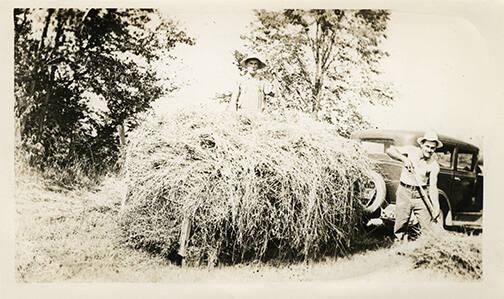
(468, 219)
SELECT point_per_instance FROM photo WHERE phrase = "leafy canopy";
(80, 73)
(325, 62)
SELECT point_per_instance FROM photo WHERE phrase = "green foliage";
(71, 62)
(325, 62)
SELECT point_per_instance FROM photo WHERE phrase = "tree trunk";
(58, 40)
(38, 62)
(317, 88)
(46, 27)
(37, 55)
(316, 99)
(122, 138)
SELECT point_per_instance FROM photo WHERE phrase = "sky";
(207, 67)
(438, 66)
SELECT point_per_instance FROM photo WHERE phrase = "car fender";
(444, 201)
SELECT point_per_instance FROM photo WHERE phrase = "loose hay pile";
(451, 253)
(252, 186)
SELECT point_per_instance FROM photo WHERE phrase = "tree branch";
(44, 31)
(326, 62)
(305, 74)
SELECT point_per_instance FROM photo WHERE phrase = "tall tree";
(326, 62)
(70, 61)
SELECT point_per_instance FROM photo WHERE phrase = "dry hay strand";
(454, 254)
(251, 185)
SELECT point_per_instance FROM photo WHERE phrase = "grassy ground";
(73, 236)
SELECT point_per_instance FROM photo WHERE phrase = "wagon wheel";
(371, 193)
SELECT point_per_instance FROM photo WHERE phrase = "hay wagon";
(247, 185)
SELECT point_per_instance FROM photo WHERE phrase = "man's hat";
(253, 56)
(430, 136)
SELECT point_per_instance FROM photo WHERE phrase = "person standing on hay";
(250, 90)
(420, 170)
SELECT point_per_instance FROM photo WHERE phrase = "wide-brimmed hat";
(253, 56)
(430, 136)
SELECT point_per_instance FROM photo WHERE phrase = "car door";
(479, 185)
(464, 178)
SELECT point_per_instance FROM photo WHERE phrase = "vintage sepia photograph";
(244, 146)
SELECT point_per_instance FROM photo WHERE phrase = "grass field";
(73, 236)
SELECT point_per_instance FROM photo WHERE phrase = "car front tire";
(378, 190)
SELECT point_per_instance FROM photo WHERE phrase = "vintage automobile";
(460, 181)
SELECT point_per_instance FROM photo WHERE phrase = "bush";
(68, 175)
(253, 186)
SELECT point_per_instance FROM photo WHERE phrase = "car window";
(373, 147)
(445, 156)
(376, 146)
(465, 161)
(479, 166)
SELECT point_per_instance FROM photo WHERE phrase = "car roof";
(403, 137)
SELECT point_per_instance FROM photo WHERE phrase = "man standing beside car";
(420, 170)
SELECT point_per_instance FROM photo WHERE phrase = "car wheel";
(372, 193)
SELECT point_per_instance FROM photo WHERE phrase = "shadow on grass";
(373, 238)
(367, 239)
